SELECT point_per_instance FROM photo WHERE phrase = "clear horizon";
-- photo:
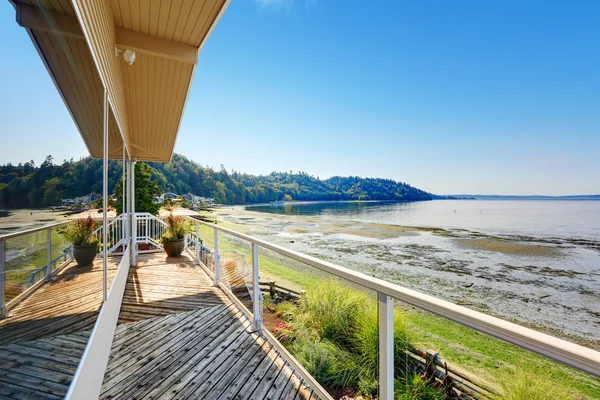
(476, 98)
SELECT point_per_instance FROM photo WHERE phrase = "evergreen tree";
(146, 191)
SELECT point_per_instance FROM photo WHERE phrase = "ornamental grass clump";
(177, 228)
(79, 232)
(334, 332)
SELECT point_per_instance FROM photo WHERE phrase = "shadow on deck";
(178, 336)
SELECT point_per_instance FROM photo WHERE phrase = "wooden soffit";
(76, 40)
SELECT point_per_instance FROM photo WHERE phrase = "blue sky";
(466, 96)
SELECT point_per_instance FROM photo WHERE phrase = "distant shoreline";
(531, 197)
(441, 198)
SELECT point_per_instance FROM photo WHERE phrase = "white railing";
(241, 267)
(233, 267)
(115, 234)
(582, 358)
(87, 382)
(28, 280)
(149, 229)
(242, 271)
(42, 272)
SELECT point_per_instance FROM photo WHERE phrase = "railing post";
(2, 278)
(124, 195)
(49, 252)
(386, 347)
(217, 274)
(127, 209)
(197, 243)
(256, 320)
(134, 231)
(105, 201)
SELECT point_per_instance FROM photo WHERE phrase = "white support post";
(2, 278)
(133, 219)
(123, 193)
(386, 347)
(197, 243)
(217, 274)
(127, 209)
(256, 319)
(105, 203)
(48, 252)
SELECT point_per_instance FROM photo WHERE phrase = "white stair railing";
(115, 238)
(149, 229)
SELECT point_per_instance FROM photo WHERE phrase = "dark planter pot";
(174, 248)
(84, 255)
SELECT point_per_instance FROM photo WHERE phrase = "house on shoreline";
(81, 200)
(198, 201)
(168, 195)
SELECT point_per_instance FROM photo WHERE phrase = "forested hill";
(29, 186)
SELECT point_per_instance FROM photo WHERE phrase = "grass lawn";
(494, 360)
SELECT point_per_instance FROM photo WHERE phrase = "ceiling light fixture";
(128, 55)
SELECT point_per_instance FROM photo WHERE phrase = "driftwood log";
(273, 289)
(463, 383)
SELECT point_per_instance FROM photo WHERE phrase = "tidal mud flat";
(548, 283)
(23, 219)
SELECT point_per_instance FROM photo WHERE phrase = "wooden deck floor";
(178, 337)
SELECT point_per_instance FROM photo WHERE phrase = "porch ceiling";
(76, 40)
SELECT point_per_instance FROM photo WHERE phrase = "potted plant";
(173, 238)
(85, 246)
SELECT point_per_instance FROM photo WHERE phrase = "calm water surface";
(554, 218)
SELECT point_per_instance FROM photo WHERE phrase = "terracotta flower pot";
(84, 255)
(174, 248)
